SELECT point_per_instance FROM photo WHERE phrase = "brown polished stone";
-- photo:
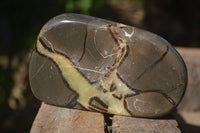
(98, 65)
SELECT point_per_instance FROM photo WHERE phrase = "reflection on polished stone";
(93, 64)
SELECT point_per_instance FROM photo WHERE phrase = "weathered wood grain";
(189, 108)
(191, 98)
(122, 124)
(53, 119)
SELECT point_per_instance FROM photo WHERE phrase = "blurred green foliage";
(84, 6)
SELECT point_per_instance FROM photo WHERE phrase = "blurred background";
(178, 21)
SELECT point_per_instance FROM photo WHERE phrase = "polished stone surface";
(98, 65)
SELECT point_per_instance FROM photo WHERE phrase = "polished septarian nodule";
(93, 64)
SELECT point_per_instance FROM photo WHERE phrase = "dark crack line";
(163, 94)
(84, 47)
(112, 34)
(155, 91)
(152, 65)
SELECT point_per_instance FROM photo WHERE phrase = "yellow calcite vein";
(87, 90)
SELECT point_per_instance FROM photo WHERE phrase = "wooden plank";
(188, 52)
(53, 119)
(190, 100)
(122, 124)
(189, 108)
